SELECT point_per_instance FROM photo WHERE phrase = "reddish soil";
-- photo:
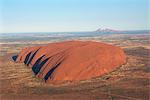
(131, 81)
(71, 60)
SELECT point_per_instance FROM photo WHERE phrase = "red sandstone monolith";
(72, 60)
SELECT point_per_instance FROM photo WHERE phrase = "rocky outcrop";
(71, 60)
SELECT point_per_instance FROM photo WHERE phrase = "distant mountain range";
(111, 31)
(107, 30)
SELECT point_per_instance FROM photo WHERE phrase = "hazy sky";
(72, 15)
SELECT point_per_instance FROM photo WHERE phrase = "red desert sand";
(71, 60)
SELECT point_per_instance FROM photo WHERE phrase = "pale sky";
(72, 15)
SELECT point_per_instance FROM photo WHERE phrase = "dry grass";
(129, 82)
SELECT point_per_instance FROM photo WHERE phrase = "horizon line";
(71, 31)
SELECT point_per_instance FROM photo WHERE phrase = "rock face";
(71, 60)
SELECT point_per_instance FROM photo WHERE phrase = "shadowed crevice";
(38, 68)
(58, 63)
(14, 57)
(50, 59)
(51, 71)
(32, 57)
(37, 64)
(27, 58)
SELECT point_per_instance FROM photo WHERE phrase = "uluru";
(71, 60)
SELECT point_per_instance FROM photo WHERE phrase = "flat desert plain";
(130, 81)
